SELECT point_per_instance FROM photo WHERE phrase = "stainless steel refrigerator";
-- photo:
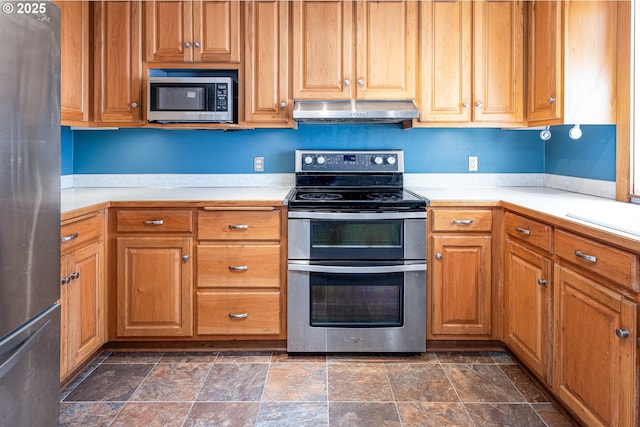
(29, 214)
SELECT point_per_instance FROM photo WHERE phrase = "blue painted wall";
(66, 147)
(592, 156)
(139, 151)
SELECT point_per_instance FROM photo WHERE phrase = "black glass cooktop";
(354, 198)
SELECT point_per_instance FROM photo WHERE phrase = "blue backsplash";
(432, 150)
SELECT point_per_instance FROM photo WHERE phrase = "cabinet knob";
(552, 99)
(134, 105)
(283, 104)
(196, 44)
(622, 333)
(347, 82)
(465, 105)
(360, 82)
(187, 44)
(185, 258)
(478, 104)
(65, 280)
(542, 282)
(438, 256)
(74, 275)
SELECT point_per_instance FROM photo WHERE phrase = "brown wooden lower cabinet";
(83, 303)
(154, 286)
(461, 285)
(239, 313)
(528, 281)
(595, 371)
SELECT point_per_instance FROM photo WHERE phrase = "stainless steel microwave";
(190, 99)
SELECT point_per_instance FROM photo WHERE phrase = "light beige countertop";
(620, 219)
(600, 213)
(79, 198)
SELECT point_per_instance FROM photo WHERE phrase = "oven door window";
(357, 239)
(359, 301)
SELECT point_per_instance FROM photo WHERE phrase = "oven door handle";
(373, 269)
(357, 215)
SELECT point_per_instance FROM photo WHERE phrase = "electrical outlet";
(258, 164)
(473, 163)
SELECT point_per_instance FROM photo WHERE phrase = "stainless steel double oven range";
(357, 255)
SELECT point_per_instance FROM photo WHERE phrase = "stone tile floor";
(278, 389)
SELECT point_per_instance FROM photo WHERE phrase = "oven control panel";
(350, 161)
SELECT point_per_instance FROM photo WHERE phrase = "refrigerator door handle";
(22, 350)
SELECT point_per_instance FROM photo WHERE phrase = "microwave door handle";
(376, 269)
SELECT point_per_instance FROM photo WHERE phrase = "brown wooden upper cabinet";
(354, 50)
(266, 63)
(571, 62)
(74, 61)
(116, 62)
(472, 63)
(192, 31)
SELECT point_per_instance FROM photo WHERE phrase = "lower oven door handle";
(357, 270)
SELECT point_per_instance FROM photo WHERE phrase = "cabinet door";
(498, 53)
(85, 303)
(544, 66)
(154, 290)
(266, 26)
(386, 49)
(216, 31)
(323, 50)
(446, 61)
(167, 29)
(595, 370)
(461, 285)
(74, 61)
(528, 293)
(117, 62)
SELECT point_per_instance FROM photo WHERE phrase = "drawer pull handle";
(585, 257)
(238, 267)
(622, 333)
(154, 222)
(238, 316)
(463, 221)
(238, 227)
(523, 231)
(542, 282)
(69, 237)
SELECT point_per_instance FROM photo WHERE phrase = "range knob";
(321, 160)
(391, 160)
(308, 160)
(377, 160)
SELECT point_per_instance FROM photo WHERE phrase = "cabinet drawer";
(85, 230)
(614, 264)
(234, 313)
(239, 266)
(529, 230)
(462, 219)
(153, 221)
(239, 225)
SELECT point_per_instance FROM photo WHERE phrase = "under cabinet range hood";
(331, 112)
